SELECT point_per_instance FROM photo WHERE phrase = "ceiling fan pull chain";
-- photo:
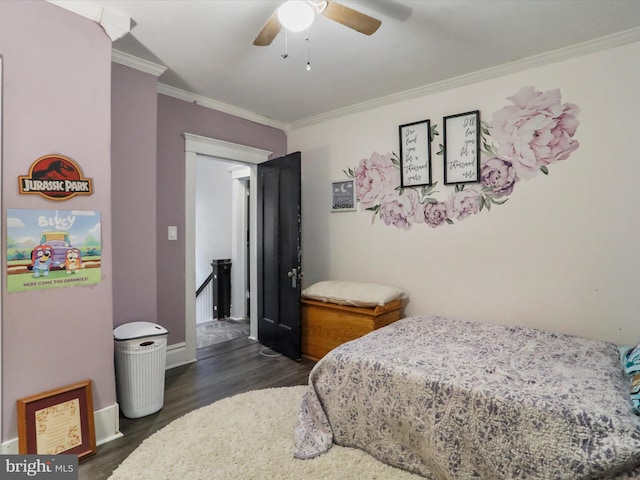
(308, 52)
(286, 45)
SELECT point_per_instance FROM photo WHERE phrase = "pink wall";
(56, 92)
(134, 107)
(176, 117)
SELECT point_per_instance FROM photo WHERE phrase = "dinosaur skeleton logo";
(55, 177)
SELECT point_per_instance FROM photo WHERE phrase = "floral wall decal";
(521, 140)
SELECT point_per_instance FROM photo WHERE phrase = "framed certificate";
(59, 421)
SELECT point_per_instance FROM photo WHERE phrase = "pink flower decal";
(436, 214)
(375, 178)
(535, 131)
(401, 211)
(498, 176)
(465, 202)
(525, 137)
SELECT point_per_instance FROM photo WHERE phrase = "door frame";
(240, 192)
(198, 145)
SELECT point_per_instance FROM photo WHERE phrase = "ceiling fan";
(333, 10)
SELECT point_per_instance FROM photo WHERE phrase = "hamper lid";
(129, 331)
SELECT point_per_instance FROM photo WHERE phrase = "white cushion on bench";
(357, 294)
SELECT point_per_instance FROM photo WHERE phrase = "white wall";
(213, 214)
(561, 254)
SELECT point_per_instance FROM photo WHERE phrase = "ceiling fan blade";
(351, 18)
(268, 32)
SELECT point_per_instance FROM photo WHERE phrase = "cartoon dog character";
(41, 260)
(73, 261)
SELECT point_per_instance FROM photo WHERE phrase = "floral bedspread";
(450, 399)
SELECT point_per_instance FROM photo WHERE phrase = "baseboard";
(177, 355)
(107, 423)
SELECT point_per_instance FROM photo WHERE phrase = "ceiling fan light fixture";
(296, 15)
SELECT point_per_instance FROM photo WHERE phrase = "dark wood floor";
(221, 371)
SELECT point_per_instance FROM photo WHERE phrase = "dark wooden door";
(279, 254)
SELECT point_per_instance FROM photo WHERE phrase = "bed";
(450, 399)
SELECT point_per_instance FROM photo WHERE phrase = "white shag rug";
(248, 436)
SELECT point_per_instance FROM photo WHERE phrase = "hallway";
(220, 331)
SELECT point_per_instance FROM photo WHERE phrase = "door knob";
(293, 275)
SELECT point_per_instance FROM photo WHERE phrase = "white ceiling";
(207, 47)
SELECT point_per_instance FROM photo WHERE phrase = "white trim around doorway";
(197, 145)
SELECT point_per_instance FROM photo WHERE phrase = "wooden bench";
(327, 325)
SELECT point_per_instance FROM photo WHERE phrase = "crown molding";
(138, 63)
(553, 56)
(155, 69)
(220, 106)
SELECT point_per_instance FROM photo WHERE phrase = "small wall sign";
(55, 177)
(343, 196)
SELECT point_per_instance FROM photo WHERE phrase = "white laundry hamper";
(140, 360)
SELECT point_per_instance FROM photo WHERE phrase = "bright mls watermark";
(49, 467)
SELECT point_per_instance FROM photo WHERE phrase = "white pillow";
(357, 294)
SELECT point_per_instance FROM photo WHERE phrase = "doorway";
(222, 250)
(196, 145)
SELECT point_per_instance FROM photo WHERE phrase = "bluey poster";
(52, 248)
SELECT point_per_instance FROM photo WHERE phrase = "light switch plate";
(173, 233)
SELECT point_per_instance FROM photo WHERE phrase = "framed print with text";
(415, 154)
(462, 148)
